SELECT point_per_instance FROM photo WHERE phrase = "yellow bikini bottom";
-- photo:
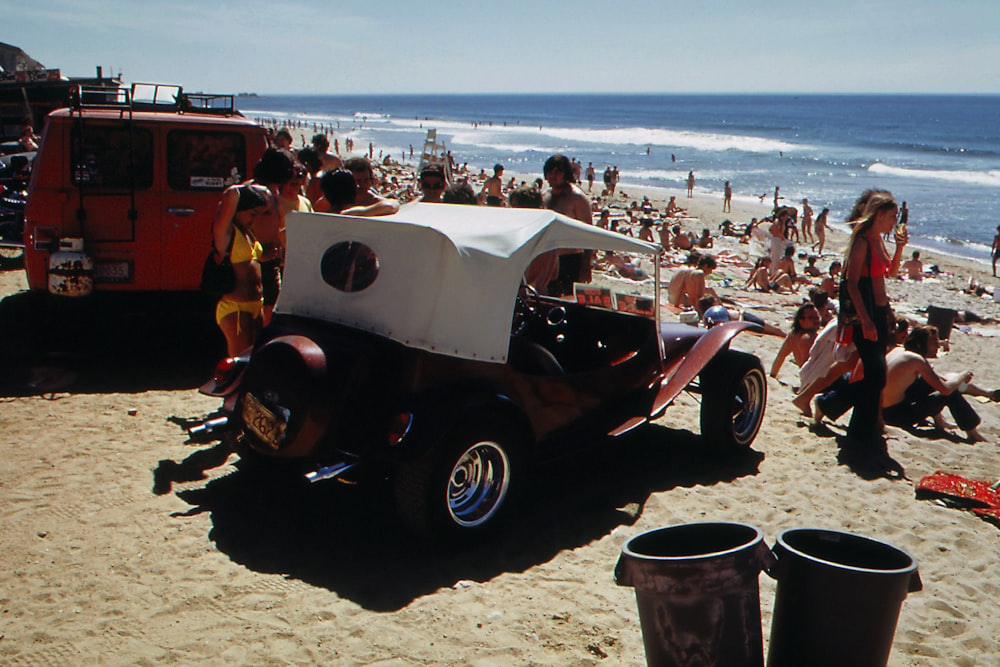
(227, 307)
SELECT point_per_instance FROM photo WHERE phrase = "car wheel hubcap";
(748, 403)
(478, 484)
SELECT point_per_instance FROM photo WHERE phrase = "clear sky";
(407, 46)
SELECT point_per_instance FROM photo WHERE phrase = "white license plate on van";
(267, 426)
(112, 272)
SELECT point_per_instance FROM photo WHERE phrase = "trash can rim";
(854, 568)
(756, 539)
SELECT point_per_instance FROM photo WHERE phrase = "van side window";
(103, 161)
(205, 160)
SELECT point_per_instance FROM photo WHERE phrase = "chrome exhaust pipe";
(207, 429)
(329, 472)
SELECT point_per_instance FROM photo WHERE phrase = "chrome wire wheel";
(478, 484)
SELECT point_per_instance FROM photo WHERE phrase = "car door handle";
(179, 210)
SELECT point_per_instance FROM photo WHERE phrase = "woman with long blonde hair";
(867, 265)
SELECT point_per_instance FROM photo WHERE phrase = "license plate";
(263, 423)
(112, 272)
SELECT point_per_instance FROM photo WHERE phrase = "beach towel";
(980, 498)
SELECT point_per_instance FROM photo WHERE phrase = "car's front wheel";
(463, 485)
(734, 394)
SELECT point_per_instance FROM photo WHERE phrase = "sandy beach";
(123, 544)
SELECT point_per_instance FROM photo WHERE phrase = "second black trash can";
(696, 586)
(838, 599)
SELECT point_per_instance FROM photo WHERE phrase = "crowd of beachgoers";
(108, 564)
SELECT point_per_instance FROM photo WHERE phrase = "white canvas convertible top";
(448, 274)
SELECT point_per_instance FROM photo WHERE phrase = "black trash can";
(696, 586)
(838, 599)
(943, 319)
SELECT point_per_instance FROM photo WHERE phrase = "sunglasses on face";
(432, 186)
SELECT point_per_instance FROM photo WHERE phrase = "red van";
(125, 185)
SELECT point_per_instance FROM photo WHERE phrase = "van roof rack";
(167, 98)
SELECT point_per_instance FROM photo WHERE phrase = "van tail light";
(399, 426)
(45, 239)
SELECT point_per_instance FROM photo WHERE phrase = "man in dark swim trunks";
(493, 187)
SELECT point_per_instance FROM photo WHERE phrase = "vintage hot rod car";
(409, 345)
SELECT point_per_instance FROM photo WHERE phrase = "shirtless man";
(914, 391)
(913, 267)
(564, 197)
(805, 327)
(688, 284)
(322, 146)
(366, 196)
(690, 184)
(590, 176)
(493, 187)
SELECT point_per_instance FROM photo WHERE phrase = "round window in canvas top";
(349, 266)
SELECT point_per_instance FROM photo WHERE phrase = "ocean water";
(939, 153)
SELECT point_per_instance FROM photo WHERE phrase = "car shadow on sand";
(110, 343)
(347, 540)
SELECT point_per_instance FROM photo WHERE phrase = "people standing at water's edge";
(807, 221)
(690, 184)
(995, 251)
(564, 197)
(820, 227)
(590, 176)
(727, 198)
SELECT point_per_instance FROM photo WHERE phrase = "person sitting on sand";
(805, 326)
(673, 210)
(705, 240)
(765, 281)
(646, 230)
(688, 284)
(914, 391)
(831, 283)
(810, 269)
(913, 267)
(682, 240)
(819, 298)
(786, 265)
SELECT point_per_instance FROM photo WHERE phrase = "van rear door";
(201, 163)
(115, 202)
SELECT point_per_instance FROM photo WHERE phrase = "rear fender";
(679, 373)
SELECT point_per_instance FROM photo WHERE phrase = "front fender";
(678, 373)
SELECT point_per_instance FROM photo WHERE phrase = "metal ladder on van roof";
(85, 98)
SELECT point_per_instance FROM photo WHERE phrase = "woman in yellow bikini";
(238, 313)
